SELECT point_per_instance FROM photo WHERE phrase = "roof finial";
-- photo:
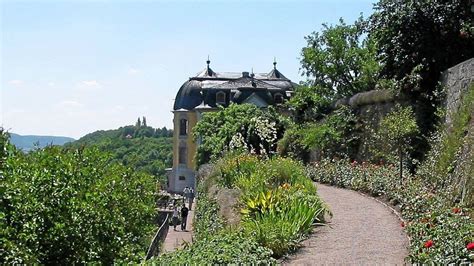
(274, 63)
(252, 75)
(208, 61)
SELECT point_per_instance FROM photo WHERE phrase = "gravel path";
(362, 231)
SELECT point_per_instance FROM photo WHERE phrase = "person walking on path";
(191, 198)
(175, 217)
(184, 217)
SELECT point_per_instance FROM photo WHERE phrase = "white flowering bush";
(243, 127)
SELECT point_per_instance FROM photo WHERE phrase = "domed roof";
(202, 88)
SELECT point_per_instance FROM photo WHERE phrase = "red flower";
(402, 224)
(428, 244)
(470, 246)
(456, 210)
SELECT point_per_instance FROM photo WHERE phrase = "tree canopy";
(425, 37)
(341, 60)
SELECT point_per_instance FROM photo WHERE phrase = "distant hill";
(140, 147)
(28, 142)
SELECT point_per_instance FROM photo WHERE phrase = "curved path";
(362, 231)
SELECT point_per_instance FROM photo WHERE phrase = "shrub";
(73, 206)
(226, 247)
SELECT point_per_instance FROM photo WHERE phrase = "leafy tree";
(139, 123)
(144, 121)
(72, 206)
(341, 60)
(423, 37)
(396, 132)
(331, 136)
(309, 103)
(237, 127)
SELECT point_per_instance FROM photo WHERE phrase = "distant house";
(204, 93)
(128, 136)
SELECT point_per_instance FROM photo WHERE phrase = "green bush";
(226, 247)
(279, 201)
(72, 206)
(242, 127)
(450, 230)
(331, 136)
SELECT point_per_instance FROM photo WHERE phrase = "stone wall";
(369, 107)
(457, 80)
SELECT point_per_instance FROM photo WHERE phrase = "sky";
(69, 68)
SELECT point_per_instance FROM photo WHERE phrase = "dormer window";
(183, 127)
(220, 98)
(278, 98)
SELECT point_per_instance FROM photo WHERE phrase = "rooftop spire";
(208, 61)
(274, 63)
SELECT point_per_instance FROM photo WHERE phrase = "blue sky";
(72, 67)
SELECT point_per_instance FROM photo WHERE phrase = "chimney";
(245, 74)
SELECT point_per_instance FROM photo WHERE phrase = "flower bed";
(440, 231)
(278, 206)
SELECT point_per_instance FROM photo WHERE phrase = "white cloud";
(91, 83)
(133, 71)
(15, 82)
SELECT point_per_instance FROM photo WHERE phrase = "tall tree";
(139, 123)
(425, 37)
(144, 122)
(341, 60)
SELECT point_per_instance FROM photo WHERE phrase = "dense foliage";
(72, 206)
(237, 127)
(140, 147)
(426, 37)
(331, 136)
(341, 60)
(278, 206)
(446, 165)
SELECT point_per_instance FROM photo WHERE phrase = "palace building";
(204, 93)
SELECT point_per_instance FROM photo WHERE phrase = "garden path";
(362, 231)
(175, 239)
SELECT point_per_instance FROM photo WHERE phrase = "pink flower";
(428, 244)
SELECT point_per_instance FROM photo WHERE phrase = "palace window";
(220, 97)
(183, 153)
(278, 98)
(183, 127)
(182, 177)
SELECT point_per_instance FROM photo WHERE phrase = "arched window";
(278, 98)
(183, 127)
(220, 97)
